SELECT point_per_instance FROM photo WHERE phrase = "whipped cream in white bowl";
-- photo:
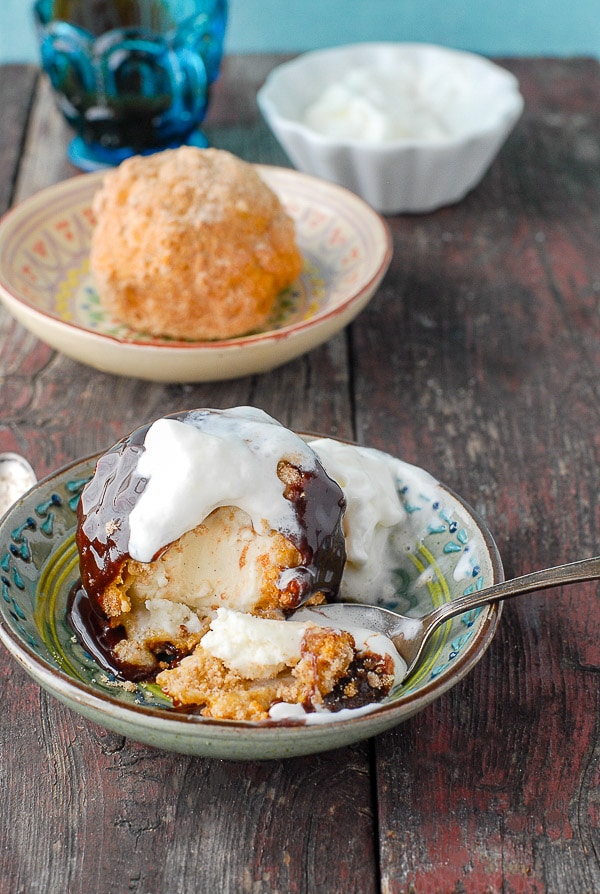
(408, 127)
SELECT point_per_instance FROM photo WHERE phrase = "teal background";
(491, 27)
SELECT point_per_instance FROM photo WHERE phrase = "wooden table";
(478, 359)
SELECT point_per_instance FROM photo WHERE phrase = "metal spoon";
(16, 477)
(410, 635)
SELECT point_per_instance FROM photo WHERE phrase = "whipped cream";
(254, 647)
(222, 459)
(241, 448)
(400, 100)
(369, 480)
(262, 647)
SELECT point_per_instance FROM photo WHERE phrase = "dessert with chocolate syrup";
(198, 536)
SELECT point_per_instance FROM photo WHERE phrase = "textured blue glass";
(131, 75)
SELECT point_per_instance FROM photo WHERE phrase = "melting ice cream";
(199, 534)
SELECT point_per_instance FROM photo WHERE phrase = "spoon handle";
(584, 569)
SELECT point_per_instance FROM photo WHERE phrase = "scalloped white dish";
(45, 283)
(475, 102)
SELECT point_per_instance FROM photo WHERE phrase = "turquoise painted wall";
(491, 27)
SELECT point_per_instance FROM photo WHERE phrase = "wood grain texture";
(490, 380)
(478, 359)
(17, 84)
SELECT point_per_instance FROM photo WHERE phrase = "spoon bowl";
(16, 477)
(411, 635)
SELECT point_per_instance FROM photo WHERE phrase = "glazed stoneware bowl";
(444, 550)
(45, 282)
(407, 172)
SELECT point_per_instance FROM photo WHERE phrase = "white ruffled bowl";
(479, 101)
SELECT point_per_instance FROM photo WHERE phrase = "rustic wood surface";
(478, 359)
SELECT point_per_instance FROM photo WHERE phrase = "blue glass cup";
(131, 76)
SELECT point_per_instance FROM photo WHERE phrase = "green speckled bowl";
(446, 550)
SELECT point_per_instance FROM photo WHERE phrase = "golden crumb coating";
(326, 657)
(202, 680)
(191, 244)
(220, 692)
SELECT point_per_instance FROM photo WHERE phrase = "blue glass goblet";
(131, 76)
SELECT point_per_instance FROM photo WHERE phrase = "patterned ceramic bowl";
(444, 551)
(454, 111)
(45, 282)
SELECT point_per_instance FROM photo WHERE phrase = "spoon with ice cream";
(411, 635)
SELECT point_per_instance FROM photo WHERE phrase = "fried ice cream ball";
(191, 244)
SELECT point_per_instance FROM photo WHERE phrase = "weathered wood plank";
(487, 375)
(44, 159)
(17, 84)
